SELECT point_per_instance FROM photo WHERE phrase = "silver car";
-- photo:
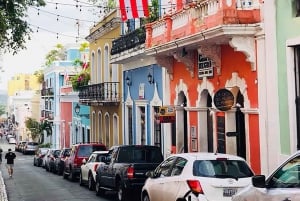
(30, 147)
(282, 185)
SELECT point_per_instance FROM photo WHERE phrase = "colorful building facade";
(211, 51)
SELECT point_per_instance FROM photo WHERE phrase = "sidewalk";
(3, 195)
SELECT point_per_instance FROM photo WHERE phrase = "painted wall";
(287, 28)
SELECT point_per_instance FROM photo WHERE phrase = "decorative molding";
(166, 62)
(187, 60)
(247, 46)
(212, 52)
(156, 101)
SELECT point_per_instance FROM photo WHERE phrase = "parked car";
(38, 156)
(124, 169)
(60, 160)
(12, 140)
(30, 147)
(282, 185)
(197, 176)
(21, 146)
(89, 167)
(18, 145)
(74, 160)
(49, 159)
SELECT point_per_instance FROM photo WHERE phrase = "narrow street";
(30, 183)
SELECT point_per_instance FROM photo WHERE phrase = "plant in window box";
(82, 78)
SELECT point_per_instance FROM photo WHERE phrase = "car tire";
(98, 189)
(72, 175)
(80, 179)
(145, 198)
(65, 176)
(121, 192)
(91, 182)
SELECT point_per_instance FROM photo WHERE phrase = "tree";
(2, 109)
(14, 30)
(37, 128)
(56, 54)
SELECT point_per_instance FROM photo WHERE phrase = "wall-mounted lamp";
(128, 81)
(150, 78)
(77, 111)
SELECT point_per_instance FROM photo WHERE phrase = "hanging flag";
(133, 9)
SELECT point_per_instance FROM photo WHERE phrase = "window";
(164, 169)
(205, 67)
(178, 166)
(130, 137)
(288, 176)
(297, 8)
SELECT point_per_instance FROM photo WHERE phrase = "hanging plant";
(82, 78)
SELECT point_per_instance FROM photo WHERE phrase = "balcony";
(128, 41)
(106, 93)
(47, 92)
(201, 18)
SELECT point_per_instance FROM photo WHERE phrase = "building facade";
(104, 92)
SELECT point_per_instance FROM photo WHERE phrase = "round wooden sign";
(223, 99)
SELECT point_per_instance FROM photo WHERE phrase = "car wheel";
(91, 183)
(99, 191)
(146, 198)
(65, 176)
(72, 175)
(80, 179)
(121, 192)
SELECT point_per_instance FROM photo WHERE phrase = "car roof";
(208, 156)
(100, 152)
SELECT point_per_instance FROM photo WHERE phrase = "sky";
(54, 24)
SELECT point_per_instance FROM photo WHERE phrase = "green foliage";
(2, 109)
(14, 30)
(56, 54)
(153, 11)
(40, 75)
(47, 145)
(81, 79)
(36, 128)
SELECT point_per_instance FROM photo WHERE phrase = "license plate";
(229, 192)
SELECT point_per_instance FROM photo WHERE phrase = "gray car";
(30, 147)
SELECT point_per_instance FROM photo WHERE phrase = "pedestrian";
(1, 155)
(10, 157)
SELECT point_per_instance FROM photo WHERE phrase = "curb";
(3, 195)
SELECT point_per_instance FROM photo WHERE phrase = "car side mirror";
(84, 161)
(259, 181)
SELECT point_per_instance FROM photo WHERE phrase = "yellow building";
(22, 82)
(106, 85)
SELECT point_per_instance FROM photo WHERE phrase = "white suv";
(197, 177)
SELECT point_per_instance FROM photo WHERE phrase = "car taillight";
(95, 167)
(130, 172)
(195, 186)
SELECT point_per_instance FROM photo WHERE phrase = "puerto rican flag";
(133, 9)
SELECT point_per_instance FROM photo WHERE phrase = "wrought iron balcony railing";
(103, 93)
(128, 41)
(47, 92)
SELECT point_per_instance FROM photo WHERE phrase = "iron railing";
(106, 92)
(128, 41)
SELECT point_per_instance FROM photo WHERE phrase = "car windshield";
(221, 169)
(86, 150)
(33, 143)
(140, 154)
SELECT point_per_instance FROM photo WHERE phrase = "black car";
(60, 160)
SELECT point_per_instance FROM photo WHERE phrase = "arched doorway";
(240, 126)
(181, 124)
